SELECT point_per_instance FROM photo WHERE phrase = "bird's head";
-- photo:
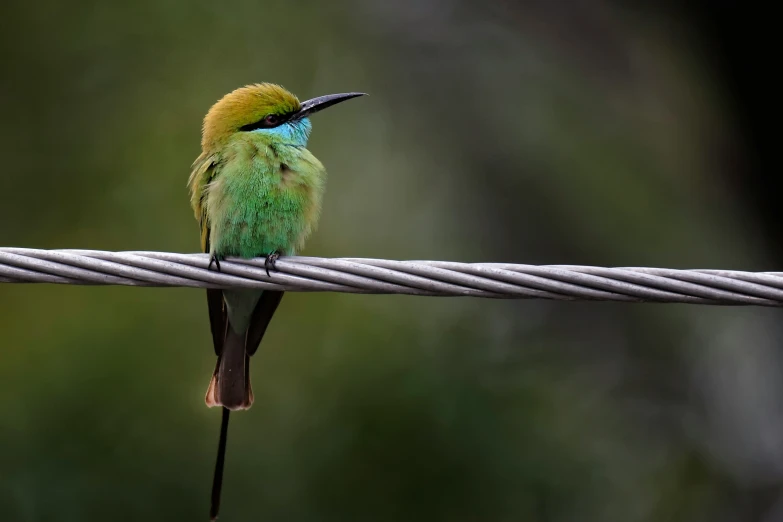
(264, 108)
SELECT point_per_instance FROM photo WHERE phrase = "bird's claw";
(270, 261)
(214, 259)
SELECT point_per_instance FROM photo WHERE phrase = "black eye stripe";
(263, 124)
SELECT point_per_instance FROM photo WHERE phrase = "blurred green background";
(526, 132)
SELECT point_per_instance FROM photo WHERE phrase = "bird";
(256, 191)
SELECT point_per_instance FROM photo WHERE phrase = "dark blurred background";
(584, 132)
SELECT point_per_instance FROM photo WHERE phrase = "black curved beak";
(322, 102)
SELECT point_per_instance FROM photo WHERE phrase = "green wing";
(205, 168)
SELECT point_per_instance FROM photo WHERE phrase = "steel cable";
(383, 276)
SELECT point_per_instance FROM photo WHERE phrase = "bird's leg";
(270, 261)
(214, 259)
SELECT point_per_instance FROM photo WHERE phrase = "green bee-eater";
(256, 191)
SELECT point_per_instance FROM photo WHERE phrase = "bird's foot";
(214, 259)
(270, 261)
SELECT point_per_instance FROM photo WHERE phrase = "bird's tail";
(217, 478)
(230, 384)
(229, 388)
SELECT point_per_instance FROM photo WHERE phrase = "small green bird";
(256, 191)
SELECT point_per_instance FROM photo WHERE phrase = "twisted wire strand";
(384, 276)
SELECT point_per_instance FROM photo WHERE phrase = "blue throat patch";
(293, 133)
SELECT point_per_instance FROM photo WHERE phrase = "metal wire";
(383, 276)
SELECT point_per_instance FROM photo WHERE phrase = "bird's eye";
(272, 119)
